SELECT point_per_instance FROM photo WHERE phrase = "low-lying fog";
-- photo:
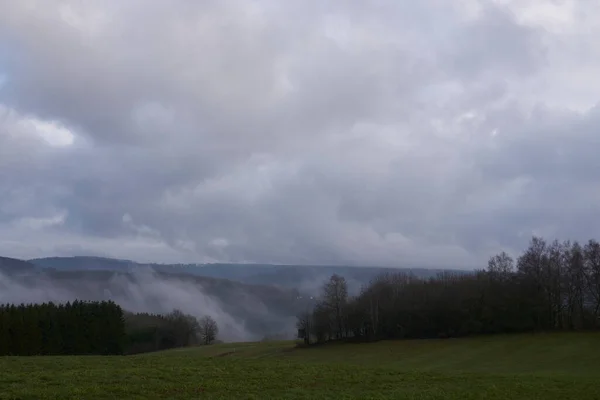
(241, 316)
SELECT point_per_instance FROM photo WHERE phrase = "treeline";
(154, 332)
(550, 286)
(96, 328)
(72, 328)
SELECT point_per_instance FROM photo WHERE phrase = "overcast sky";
(402, 133)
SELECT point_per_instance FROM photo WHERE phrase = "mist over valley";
(249, 302)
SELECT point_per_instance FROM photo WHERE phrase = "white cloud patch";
(52, 132)
(36, 224)
(18, 127)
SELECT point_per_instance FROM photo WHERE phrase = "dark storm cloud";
(397, 133)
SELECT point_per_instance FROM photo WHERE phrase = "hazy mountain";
(307, 279)
(13, 265)
(84, 263)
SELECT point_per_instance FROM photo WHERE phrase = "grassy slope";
(549, 366)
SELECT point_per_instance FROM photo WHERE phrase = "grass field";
(541, 366)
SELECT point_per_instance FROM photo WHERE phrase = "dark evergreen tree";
(71, 328)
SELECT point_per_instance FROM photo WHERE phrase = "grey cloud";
(390, 133)
(496, 43)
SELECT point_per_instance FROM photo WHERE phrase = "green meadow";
(534, 366)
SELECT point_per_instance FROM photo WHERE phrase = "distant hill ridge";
(298, 276)
(14, 265)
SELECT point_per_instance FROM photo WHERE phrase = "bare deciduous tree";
(592, 269)
(208, 329)
(335, 298)
(304, 325)
(501, 265)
